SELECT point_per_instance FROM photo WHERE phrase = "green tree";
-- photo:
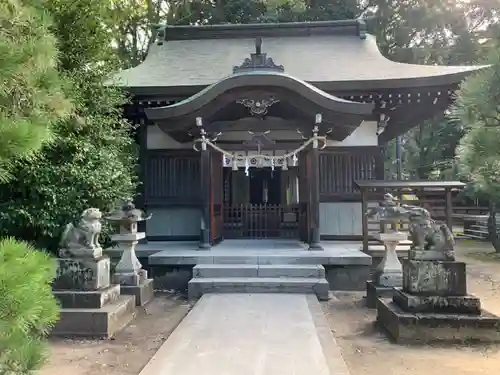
(477, 109)
(31, 89)
(32, 100)
(27, 307)
(92, 160)
(133, 19)
(428, 32)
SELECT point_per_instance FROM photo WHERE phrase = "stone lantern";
(129, 273)
(389, 273)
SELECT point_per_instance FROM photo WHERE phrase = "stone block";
(171, 277)
(82, 274)
(230, 259)
(434, 278)
(291, 270)
(428, 255)
(130, 279)
(347, 277)
(96, 323)
(375, 291)
(322, 290)
(225, 270)
(143, 293)
(87, 299)
(422, 328)
(199, 286)
(437, 304)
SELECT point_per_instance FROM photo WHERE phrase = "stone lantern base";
(389, 273)
(129, 273)
(137, 285)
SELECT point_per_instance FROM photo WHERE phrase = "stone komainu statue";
(427, 234)
(82, 239)
(388, 210)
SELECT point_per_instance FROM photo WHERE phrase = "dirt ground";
(365, 350)
(128, 352)
(368, 352)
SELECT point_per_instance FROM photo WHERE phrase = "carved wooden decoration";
(258, 108)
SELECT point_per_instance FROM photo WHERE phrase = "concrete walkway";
(251, 334)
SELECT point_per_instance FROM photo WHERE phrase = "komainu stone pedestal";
(389, 273)
(91, 306)
(433, 305)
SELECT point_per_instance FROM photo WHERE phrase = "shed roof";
(321, 53)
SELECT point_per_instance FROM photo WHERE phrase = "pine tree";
(92, 160)
(477, 109)
(31, 91)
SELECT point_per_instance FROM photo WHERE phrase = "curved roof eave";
(257, 79)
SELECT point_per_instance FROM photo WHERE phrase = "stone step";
(199, 286)
(255, 270)
(101, 322)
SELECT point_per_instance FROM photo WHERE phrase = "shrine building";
(261, 130)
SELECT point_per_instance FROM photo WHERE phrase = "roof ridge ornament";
(258, 61)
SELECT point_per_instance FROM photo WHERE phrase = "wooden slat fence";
(261, 221)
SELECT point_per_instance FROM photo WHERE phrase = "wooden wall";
(173, 178)
(172, 190)
(172, 194)
(341, 166)
(340, 201)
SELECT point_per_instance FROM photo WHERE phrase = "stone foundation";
(436, 304)
(171, 277)
(87, 299)
(91, 306)
(102, 322)
(433, 305)
(143, 293)
(352, 278)
(374, 291)
(417, 328)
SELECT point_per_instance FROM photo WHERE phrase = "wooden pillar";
(314, 237)
(364, 218)
(448, 208)
(204, 193)
(143, 175)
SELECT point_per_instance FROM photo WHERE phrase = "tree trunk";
(492, 227)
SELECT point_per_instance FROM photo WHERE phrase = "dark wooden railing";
(261, 221)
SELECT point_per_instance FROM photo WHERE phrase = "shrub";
(27, 307)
